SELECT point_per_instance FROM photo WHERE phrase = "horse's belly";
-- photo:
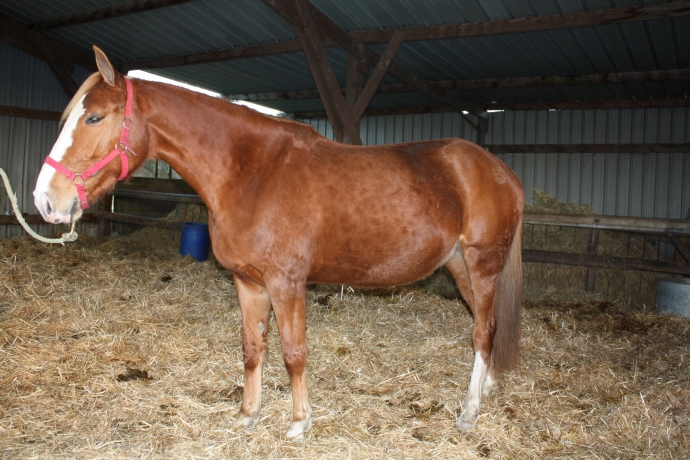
(380, 260)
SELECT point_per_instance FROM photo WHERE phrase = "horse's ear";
(105, 67)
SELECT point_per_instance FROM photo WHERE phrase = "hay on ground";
(121, 348)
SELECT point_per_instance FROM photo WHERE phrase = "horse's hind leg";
(256, 314)
(477, 284)
(458, 268)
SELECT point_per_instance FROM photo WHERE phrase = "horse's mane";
(89, 83)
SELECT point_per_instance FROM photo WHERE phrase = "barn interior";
(116, 346)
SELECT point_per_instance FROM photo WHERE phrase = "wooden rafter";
(137, 6)
(61, 70)
(32, 42)
(475, 29)
(488, 83)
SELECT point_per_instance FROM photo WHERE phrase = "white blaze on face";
(63, 142)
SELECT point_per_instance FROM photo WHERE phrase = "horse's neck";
(203, 139)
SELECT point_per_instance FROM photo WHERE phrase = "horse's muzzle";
(52, 215)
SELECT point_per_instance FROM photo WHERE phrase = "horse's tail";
(508, 308)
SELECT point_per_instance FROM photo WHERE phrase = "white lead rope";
(66, 237)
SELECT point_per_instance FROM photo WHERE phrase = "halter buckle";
(127, 123)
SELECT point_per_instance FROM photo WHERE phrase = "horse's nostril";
(74, 210)
(49, 209)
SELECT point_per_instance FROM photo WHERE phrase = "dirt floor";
(121, 348)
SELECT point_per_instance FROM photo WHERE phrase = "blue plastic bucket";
(195, 241)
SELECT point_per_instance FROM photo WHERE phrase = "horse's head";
(95, 148)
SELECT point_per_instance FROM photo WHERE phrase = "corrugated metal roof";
(212, 25)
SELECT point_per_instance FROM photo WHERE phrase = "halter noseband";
(121, 148)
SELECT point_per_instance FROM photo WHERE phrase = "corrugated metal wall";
(624, 184)
(27, 82)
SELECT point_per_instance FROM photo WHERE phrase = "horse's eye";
(93, 120)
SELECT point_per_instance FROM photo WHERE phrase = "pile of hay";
(121, 348)
(568, 283)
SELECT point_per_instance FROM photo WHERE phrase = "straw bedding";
(121, 348)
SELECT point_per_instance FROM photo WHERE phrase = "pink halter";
(121, 148)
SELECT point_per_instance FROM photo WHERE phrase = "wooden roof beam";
(488, 83)
(361, 50)
(100, 14)
(474, 29)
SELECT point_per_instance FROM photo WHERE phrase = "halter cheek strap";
(121, 148)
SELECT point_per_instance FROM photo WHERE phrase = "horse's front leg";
(255, 305)
(289, 307)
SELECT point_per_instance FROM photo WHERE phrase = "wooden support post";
(103, 225)
(482, 127)
(356, 68)
(326, 82)
(354, 80)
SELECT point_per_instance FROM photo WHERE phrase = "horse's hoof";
(245, 420)
(463, 426)
(297, 429)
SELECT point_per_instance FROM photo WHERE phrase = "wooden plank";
(103, 13)
(632, 224)
(29, 41)
(488, 83)
(617, 263)
(29, 113)
(138, 220)
(377, 75)
(497, 27)
(589, 148)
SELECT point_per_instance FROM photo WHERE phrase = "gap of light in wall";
(152, 77)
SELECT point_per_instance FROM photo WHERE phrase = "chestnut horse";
(289, 207)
